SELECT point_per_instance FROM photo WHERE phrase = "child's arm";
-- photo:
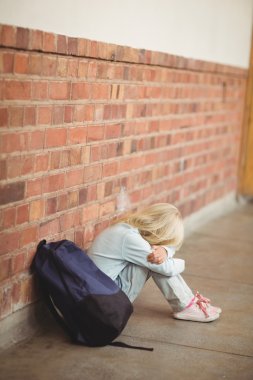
(136, 250)
(160, 253)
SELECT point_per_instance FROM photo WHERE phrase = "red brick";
(55, 160)
(34, 187)
(98, 112)
(41, 162)
(40, 90)
(28, 235)
(53, 183)
(82, 46)
(14, 167)
(51, 205)
(6, 62)
(58, 115)
(80, 90)
(5, 268)
(16, 116)
(49, 228)
(84, 113)
(74, 177)
(110, 169)
(107, 112)
(127, 164)
(82, 196)
(72, 67)
(37, 139)
(107, 208)
(9, 241)
(73, 199)
(62, 44)
(9, 217)
(77, 135)
(62, 67)
(112, 131)
(92, 193)
(17, 90)
(3, 117)
(69, 220)
(22, 214)
(68, 114)
(18, 263)
(44, 115)
(8, 35)
(92, 70)
(56, 137)
(21, 65)
(36, 210)
(22, 38)
(62, 202)
(3, 169)
(100, 191)
(12, 192)
(29, 115)
(90, 213)
(95, 133)
(85, 155)
(83, 69)
(27, 165)
(75, 156)
(65, 158)
(108, 188)
(96, 153)
(59, 90)
(36, 39)
(15, 295)
(35, 64)
(27, 294)
(72, 45)
(92, 173)
(100, 91)
(49, 42)
(14, 142)
(49, 66)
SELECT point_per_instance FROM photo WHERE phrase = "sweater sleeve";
(170, 250)
(135, 250)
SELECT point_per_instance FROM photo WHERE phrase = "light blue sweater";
(120, 244)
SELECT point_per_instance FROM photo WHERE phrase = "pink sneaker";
(198, 311)
(207, 302)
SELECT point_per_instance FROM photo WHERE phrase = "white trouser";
(133, 277)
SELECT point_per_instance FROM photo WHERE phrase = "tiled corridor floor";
(219, 262)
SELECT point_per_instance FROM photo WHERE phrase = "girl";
(142, 245)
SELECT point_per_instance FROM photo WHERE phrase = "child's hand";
(158, 256)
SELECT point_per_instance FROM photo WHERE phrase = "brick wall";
(79, 119)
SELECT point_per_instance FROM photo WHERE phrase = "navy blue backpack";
(87, 303)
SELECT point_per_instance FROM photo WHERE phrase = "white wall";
(214, 30)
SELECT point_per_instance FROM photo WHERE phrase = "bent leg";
(174, 289)
(132, 279)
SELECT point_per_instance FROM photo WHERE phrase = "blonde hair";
(159, 224)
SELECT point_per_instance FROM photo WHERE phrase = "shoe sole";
(209, 319)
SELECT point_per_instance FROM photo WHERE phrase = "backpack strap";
(125, 345)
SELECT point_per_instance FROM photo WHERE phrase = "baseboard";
(22, 324)
(210, 212)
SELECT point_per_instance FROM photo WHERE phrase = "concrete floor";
(219, 259)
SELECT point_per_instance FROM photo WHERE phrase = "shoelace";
(202, 303)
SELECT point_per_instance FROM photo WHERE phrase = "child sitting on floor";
(142, 245)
